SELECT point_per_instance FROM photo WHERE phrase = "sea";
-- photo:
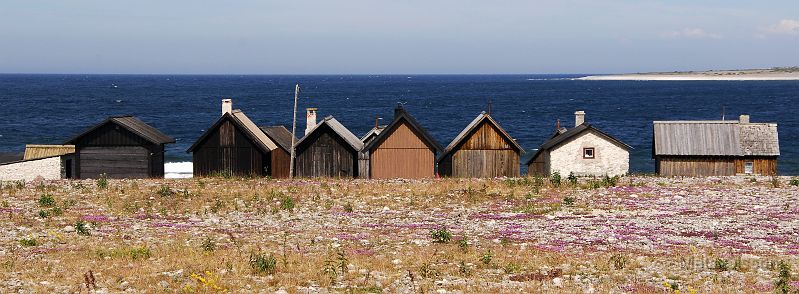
(51, 108)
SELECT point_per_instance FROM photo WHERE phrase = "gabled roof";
(280, 135)
(401, 115)
(44, 151)
(133, 124)
(483, 116)
(561, 136)
(244, 124)
(372, 133)
(715, 138)
(337, 128)
(9, 157)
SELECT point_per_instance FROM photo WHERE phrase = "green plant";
(486, 258)
(218, 206)
(208, 245)
(139, 253)
(794, 182)
(28, 242)
(57, 211)
(511, 268)
(783, 278)
(287, 203)
(441, 235)
(81, 228)
(164, 191)
(348, 207)
(262, 263)
(572, 179)
(554, 179)
(721, 264)
(464, 269)
(618, 261)
(102, 182)
(775, 182)
(463, 244)
(427, 271)
(46, 201)
(44, 214)
(608, 182)
(568, 200)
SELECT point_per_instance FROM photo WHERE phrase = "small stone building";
(583, 151)
(46, 162)
(715, 148)
(482, 150)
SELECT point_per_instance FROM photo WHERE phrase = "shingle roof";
(372, 133)
(483, 116)
(339, 129)
(715, 138)
(563, 135)
(401, 115)
(44, 151)
(134, 125)
(280, 135)
(246, 126)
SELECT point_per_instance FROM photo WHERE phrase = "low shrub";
(441, 235)
(262, 263)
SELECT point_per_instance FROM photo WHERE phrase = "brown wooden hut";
(715, 148)
(403, 149)
(328, 150)
(235, 145)
(120, 147)
(482, 150)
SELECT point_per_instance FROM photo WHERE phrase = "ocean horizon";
(50, 108)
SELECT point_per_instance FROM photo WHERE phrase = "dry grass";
(372, 236)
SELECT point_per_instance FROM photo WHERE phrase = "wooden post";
(294, 131)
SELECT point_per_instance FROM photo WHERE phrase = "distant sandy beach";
(776, 74)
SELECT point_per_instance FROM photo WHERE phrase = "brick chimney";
(227, 106)
(579, 118)
(310, 118)
(744, 119)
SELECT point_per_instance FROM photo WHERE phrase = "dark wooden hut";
(235, 145)
(482, 150)
(403, 149)
(715, 148)
(120, 147)
(328, 150)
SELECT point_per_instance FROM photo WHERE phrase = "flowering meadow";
(637, 234)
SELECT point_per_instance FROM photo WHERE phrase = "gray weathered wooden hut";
(482, 150)
(715, 148)
(235, 145)
(120, 147)
(327, 150)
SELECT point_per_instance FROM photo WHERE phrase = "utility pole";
(294, 130)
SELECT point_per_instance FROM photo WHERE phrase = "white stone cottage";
(583, 150)
(45, 162)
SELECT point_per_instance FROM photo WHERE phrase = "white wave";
(178, 170)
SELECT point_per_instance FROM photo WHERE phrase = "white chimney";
(310, 117)
(579, 118)
(227, 106)
(744, 119)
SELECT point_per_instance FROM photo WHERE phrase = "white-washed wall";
(609, 159)
(46, 168)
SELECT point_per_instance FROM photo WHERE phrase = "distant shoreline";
(773, 74)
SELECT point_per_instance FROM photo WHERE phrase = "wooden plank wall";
(114, 162)
(280, 163)
(538, 167)
(227, 149)
(696, 166)
(484, 154)
(764, 166)
(403, 154)
(91, 159)
(326, 155)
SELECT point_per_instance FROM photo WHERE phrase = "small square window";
(588, 153)
(749, 167)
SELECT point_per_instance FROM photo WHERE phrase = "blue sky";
(410, 36)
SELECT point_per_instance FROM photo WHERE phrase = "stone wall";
(46, 168)
(609, 159)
